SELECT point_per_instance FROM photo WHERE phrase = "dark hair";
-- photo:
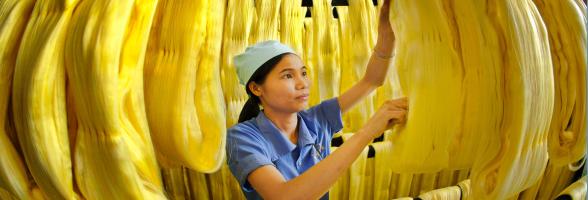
(251, 107)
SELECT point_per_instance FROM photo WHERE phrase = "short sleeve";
(245, 153)
(328, 115)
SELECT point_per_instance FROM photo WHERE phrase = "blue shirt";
(258, 142)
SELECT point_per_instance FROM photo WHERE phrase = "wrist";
(385, 40)
(383, 56)
(383, 51)
(364, 135)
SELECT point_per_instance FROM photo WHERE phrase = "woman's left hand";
(386, 38)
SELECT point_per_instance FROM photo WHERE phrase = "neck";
(287, 123)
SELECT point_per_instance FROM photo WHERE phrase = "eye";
(287, 76)
(304, 73)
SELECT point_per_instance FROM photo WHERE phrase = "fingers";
(399, 116)
(394, 111)
(395, 116)
(397, 103)
(402, 102)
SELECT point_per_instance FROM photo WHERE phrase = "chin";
(298, 108)
(302, 107)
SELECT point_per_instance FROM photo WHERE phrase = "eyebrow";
(292, 69)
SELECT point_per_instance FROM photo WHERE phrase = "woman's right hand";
(392, 112)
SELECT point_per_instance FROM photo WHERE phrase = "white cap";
(255, 56)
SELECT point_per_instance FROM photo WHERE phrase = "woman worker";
(282, 151)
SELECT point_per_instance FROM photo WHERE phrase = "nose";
(302, 83)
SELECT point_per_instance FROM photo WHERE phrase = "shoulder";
(326, 109)
(327, 114)
(246, 137)
(329, 105)
(247, 130)
(248, 127)
(246, 151)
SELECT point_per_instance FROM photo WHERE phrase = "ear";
(255, 88)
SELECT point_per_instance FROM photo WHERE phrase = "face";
(286, 87)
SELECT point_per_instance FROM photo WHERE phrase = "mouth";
(303, 97)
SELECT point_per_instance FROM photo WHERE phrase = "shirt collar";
(304, 136)
(281, 144)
